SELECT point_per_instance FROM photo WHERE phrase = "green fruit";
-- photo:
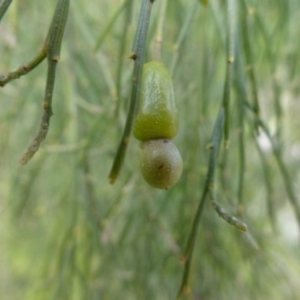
(157, 116)
(161, 163)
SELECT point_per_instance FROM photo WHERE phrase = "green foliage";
(67, 233)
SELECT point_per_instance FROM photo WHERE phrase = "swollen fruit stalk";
(157, 115)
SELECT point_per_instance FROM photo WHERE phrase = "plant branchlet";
(138, 54)
(4, 5)
(52, 47)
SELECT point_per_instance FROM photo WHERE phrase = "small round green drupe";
(161, 163)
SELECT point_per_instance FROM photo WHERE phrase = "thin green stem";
(284, 172)
(23, 70)
(143, 23)
(271, 58)
(268, 185)
(245, 19)
(56, 31)
(44, 126)
(231, 24)
(127, 22)
(160, 30)
(242, 95)
(288, 182)
(224, 215)
(138, 56)
(53, 46)
(109, 25)
(209, 183)
(182, 34)
(4, 5)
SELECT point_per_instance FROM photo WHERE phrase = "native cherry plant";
(153, 118)
(152, 114)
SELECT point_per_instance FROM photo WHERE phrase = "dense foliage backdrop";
(66, 233)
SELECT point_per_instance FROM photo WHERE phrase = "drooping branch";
(24, 69)
(52, 46)
(4, 5)
(138, 55)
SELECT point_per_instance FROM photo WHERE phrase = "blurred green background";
(66, 233)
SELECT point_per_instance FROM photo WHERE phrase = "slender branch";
(138, 55)
(277, 151)
(53, 46)
(231, 24)
(127, 22)
(221, 125)
(41, 55)
(4, 5)
(56, 31)
(268, 185)
(249, 59)
(242, 95)
(44, 126)
(224, 215)
(23, 70)
(160, 30)
(209, 183)
(182, 34)
(272, 60)
(109, 25)
(284, 172)
(230, 33)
